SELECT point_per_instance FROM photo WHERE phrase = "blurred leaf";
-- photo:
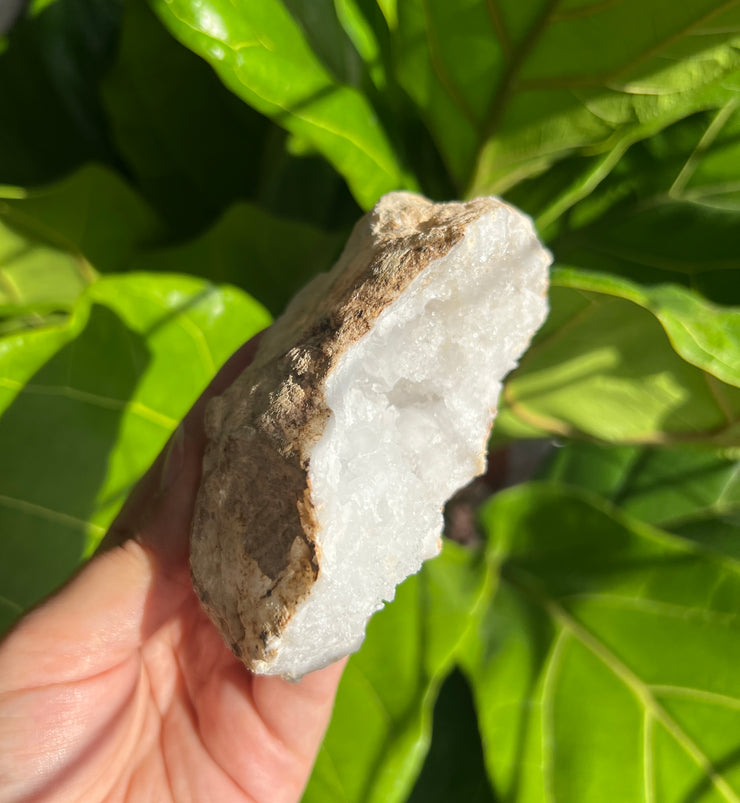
(662, 228)
(706, 335)
(602, 367)
(51, 118)
(54, 240)
(93, 213)
(379, 731)
(267, 55)
(509, 88)
(606, 668)
(193, 147)
(454, 768)
(691, 492)
(660, 231)
(269, 257)
(665, 240)
(86, 406)
(688, 168)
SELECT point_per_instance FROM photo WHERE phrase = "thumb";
(94, 623)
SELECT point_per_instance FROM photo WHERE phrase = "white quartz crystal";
(412, 404)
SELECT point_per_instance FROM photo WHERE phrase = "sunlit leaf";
(508, 88)
(705, 334)
(288, 65)
(603, 367)
(54, 240)
(81, 433)
(606, 666)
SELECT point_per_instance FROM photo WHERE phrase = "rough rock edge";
(254, 554)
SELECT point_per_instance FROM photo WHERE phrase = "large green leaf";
(660, 231)
(508, 88)
(603, 367)
(379, 732)
(86, 406)
(689, 491)
(51, 118)
(267, 54)
(606, 668)
(689, 167)
(54, 240)
(706, 335)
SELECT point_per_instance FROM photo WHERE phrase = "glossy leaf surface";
(267, 55)
(509, 88)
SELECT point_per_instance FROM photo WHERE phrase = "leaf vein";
(56, 516)
(656, 607)
(639, 688)
(696, 694)
(548, 712)
(440, 70)
(137, 408)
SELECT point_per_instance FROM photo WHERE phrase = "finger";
(94, 623)
(281, 704)
(268, 724)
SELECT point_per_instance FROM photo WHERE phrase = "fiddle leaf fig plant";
(210, 156)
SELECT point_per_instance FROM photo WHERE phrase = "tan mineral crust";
(256, 543)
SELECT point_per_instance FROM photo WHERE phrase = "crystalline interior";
(412, 403)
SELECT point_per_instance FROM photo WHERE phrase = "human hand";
(120, 688)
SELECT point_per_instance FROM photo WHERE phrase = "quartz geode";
(368, 404)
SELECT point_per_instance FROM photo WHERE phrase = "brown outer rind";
(255, 551)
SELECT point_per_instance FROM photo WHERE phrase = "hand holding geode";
(368, 404)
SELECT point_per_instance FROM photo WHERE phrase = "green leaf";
(192, 146)
(379, 731)
(51, 118)
(606, 668)
(644, 236)
(507, 88)
(54, 240)
(269, 257)
(86, 406)
(665, 227)
(602, 367)
(267, 56)
(691, 492)
(705, 334)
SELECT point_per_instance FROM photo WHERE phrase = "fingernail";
(174, 460)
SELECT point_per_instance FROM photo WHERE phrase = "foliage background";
(171, 172)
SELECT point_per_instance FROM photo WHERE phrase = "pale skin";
(119, 688)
